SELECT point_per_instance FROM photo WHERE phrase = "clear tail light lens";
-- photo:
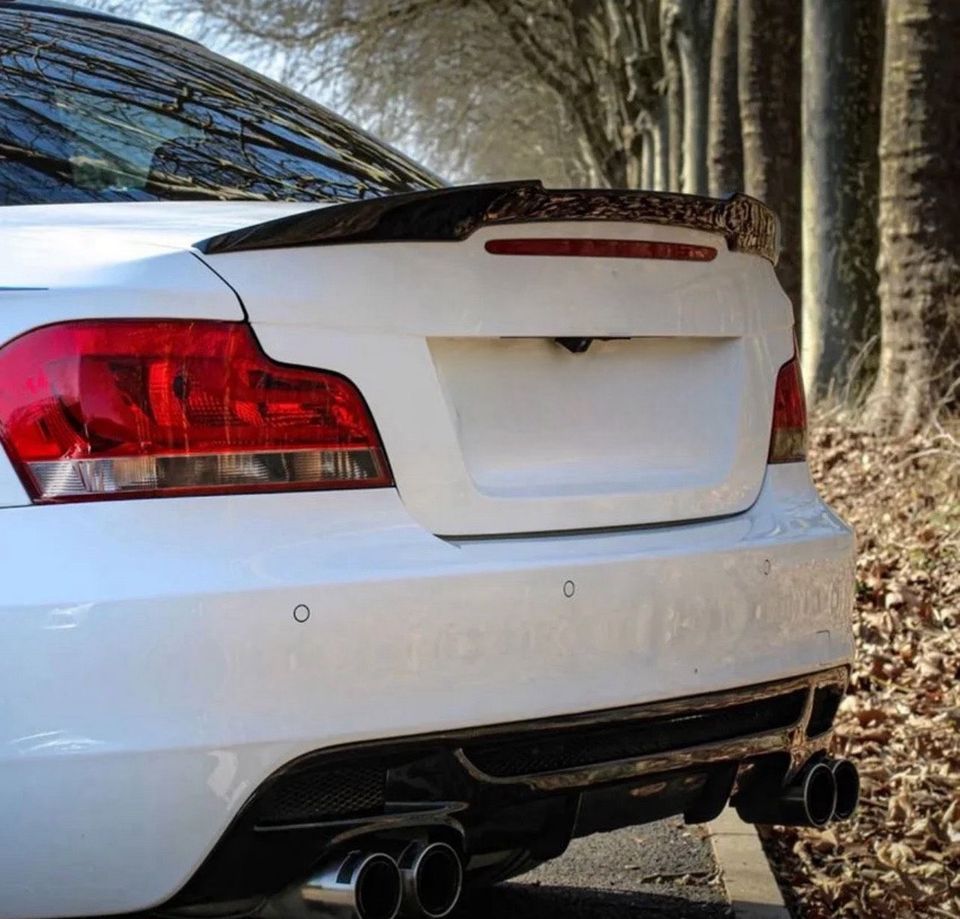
(788, 441)
(130, 408)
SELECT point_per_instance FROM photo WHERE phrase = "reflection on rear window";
(100, 111)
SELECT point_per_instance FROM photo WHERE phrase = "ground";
(655, 871)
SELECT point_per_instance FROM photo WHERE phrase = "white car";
(361, 535)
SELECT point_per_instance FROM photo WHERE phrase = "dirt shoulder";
(901, 722)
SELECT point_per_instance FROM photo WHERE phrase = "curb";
(744, 870)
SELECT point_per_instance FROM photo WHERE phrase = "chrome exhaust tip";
(358, 885)
(432, 876)
(809, 800)
(846, 777)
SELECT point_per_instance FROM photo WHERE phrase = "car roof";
(62, 8)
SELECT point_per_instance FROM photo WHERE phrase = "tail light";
(602, 248)
(788, 441)
(124, 408)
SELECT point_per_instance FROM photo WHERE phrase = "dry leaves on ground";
(900, 857)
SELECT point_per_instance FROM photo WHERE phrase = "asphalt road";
(658, 870)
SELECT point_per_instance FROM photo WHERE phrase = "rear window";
(94, 110)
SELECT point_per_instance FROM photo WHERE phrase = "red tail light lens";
(109, 409)
(788, 442)
(603, 248)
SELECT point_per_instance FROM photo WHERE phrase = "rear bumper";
(525, 787)
(157, 675)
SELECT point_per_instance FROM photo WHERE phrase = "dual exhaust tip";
(822, 791)
(416, 879)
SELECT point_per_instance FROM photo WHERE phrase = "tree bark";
(919, 263)
(646, 160)
(724, 145)
(694, 39)
(768, 69)
(842, 59)
(673, 97)
(661, 148)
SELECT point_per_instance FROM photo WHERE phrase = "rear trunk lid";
(536, 393)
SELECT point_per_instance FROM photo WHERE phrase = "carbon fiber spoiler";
(453, 213)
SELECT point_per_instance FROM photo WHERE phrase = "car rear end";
(445, 538)
(363, 537)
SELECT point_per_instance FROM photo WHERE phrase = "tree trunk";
(842, 59)
(768, 68)
(694, 38)
(646, 161)
(724, 145)
(661, 148)
(673, 98)
(633, 157)
(919, 264)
